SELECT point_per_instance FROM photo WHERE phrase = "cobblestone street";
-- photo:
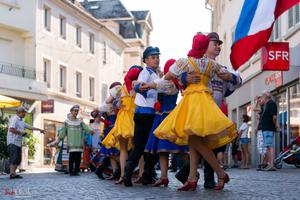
(244, 184)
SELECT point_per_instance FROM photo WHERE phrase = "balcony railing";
(18, 70)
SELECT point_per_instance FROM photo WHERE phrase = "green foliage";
(30, 140)
(3, 134)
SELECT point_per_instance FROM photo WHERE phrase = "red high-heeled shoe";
(138, 180)
(164, 181)
(224, 180)
(189, 186)
(120, 181)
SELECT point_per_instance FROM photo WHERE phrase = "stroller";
(289, 155)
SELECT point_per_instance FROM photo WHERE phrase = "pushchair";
(289, 155)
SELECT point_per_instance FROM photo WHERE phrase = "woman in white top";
(244, 140)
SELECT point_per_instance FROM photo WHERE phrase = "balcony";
(20, 81)
(18, 70)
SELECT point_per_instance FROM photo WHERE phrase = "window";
(92, 88)
(78, 84)
(104, 53)
(78, 36)
(293, 16)
(47, 72)
(62, 27)
(275, 32)
(62, 78)
(92, 41)
(47, 18)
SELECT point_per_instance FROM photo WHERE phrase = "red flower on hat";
(157, 106)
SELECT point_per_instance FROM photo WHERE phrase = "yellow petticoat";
(124, 125)
(197, 114)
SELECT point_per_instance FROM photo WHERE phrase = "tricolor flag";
(255, 26)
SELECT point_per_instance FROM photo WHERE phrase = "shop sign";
(275, 78)
(275, 56)
(48, 106)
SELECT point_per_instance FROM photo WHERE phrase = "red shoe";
(138, 180)
(110, 178)
(164, 181)
(188, 186)
(221, 182)
(120, 181)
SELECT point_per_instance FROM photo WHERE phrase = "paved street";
(244, 184)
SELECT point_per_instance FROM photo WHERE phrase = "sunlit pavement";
(244, 184)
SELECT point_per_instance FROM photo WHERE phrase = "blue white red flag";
(255, 26)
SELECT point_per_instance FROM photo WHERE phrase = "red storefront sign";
(275, 56)
(48, 106)
(276, 78)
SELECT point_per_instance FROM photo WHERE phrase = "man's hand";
(193, 78)
(226, 76)
(147, 86)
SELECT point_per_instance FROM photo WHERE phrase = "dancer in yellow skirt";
(197, 120)
(121, 135)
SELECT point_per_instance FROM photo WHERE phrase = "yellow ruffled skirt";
(124, 125)
(197, 114)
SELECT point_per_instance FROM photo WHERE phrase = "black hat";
(150, 51)
(213, 36)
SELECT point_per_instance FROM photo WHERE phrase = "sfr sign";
(275, 56)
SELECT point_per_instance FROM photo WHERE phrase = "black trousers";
(75, 158)
(142, 128)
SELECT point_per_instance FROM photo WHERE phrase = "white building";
(284, 85)
(76, 58)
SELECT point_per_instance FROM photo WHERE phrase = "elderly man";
(220, 90)
(16, 132)
(268, 127)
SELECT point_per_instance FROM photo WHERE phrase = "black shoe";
(127, 182)
(235, 166)
(182, 177)
(99, 172)
(209, 185)
(72, 174)
(148, 181)
(15, 177)
(76, 174)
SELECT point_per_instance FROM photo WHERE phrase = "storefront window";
(294, 111)
(282, 119)
(50, 135)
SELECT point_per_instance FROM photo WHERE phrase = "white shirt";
(147, 76)
(244, 128)
(17, 123)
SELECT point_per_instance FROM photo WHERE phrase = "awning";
(7, 102)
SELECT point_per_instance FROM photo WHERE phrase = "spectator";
(16, 132)
(244, 140)
(268, 125)
(258, 109)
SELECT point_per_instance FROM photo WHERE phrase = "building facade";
(284, 86)
(133, 26)
(72, 58)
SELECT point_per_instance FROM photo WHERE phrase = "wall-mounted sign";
(275, 56)
(48, 106)
(275, 78)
